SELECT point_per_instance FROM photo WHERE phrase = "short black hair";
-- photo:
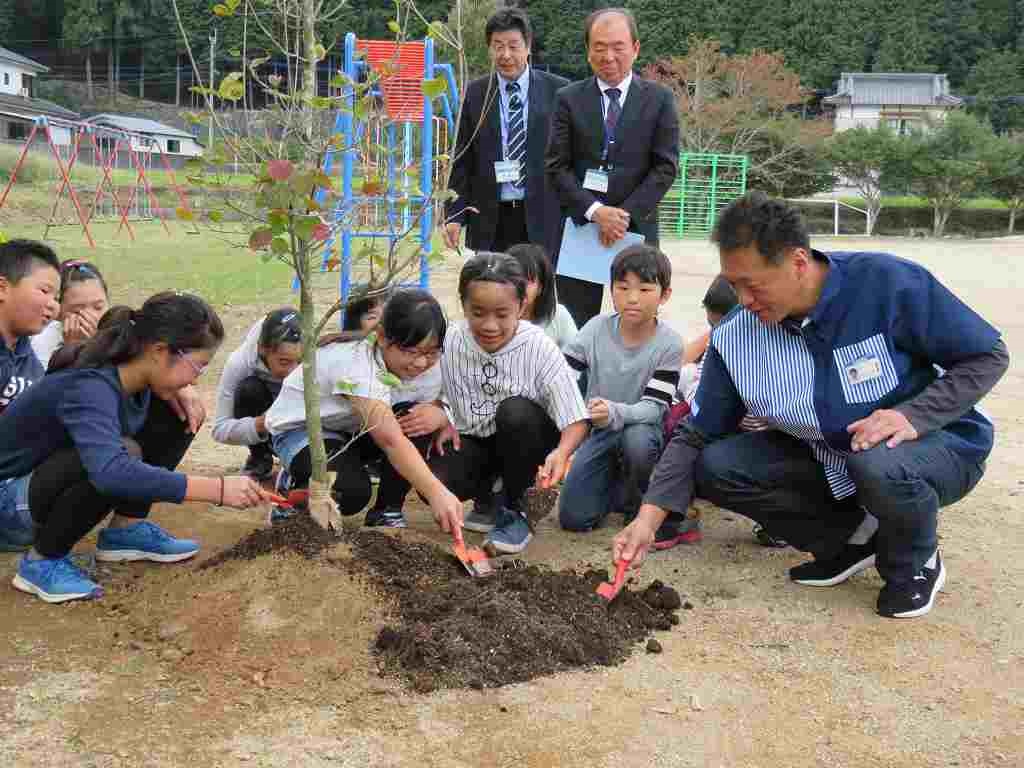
(74, 271)
(592, 18)
(646, 262)
(507, 19)
(537, 266)
(281, 326)
(757, 219)
(356, 310)
(412, 315)
(492, 267)
(721, 298)
(19, 258)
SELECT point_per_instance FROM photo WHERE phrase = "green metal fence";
(705, 184)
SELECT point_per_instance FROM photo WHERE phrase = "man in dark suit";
(498, 166)
(614, 148)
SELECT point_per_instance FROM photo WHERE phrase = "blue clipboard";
(582, 256)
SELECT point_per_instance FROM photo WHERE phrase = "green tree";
(947, 164)
(865, 158)
(994, 81)
(905, 39)
(472, 17)
(1006, 175)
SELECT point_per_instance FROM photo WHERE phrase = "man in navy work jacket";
(869, 371)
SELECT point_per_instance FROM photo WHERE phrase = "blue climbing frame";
(399, 191)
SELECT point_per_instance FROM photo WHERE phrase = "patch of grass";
(910, 201)
(222, 272)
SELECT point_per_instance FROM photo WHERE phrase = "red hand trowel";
(473, 559)
(609, 591)
(298, 496)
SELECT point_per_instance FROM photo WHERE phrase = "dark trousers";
(352, 486)
(581, 298)
(254, 397)
(524, 437)
(511, 229)
(65, 505)
(772, 478)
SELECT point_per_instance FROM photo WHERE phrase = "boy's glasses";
(430, 355)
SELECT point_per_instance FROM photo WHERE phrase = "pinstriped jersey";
(530, 365)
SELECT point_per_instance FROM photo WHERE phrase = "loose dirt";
(454, 631)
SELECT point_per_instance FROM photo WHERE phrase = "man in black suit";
(614, 148)
(498, 166)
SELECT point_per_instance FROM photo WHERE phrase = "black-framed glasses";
(490, 371)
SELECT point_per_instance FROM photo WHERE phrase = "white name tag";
(596, 180)
(507, 171)
(865, 369)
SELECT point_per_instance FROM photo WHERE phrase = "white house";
(18, 106)
(902, 100)
(173, 142)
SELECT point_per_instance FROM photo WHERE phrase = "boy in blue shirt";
(869, 370)
(29, 283)
(631, 360)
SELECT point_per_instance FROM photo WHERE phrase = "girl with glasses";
(83, 443)
(371, 389)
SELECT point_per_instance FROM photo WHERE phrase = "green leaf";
(340, 80)
(433, 87)
(215, 216)
(266, 256)
(232, 4)
(319, 52)
(388, 379)
(435, 29)
(234, 52)
(278, 221)
(345, 387)
(394, 28)
(321, 102)
(222, 10)
(280, 245)
(303, 226)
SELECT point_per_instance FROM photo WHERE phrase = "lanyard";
(608, 144)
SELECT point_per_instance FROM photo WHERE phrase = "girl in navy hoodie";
(70, 445)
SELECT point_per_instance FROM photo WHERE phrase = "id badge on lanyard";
(596, 179)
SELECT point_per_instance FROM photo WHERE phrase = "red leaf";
(321, 232)
(280, 170)
(260, 239)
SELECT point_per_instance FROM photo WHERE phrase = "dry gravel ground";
(267, 663)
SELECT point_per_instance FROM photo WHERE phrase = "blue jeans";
(16, 527)
(772, 478)
(610, 470)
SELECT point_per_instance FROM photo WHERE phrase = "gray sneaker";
(481, 519)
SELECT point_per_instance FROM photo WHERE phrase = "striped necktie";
(516, 132)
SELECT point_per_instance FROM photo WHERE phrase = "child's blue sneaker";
(55, 580)
(143, 541)
(511, 532)
(385, 518)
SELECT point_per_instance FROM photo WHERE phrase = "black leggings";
(524, 437)
(352, 487)
(254, 397)
(65, 505)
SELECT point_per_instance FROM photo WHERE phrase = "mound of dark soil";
(453, 631)
(299, 534)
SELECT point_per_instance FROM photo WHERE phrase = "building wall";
(899, 117)
(186, 147)
(22, 129)
(10, 79)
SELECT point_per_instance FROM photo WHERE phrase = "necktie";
(611, 119)
(516, 132)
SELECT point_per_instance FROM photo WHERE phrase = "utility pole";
(213, 46)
